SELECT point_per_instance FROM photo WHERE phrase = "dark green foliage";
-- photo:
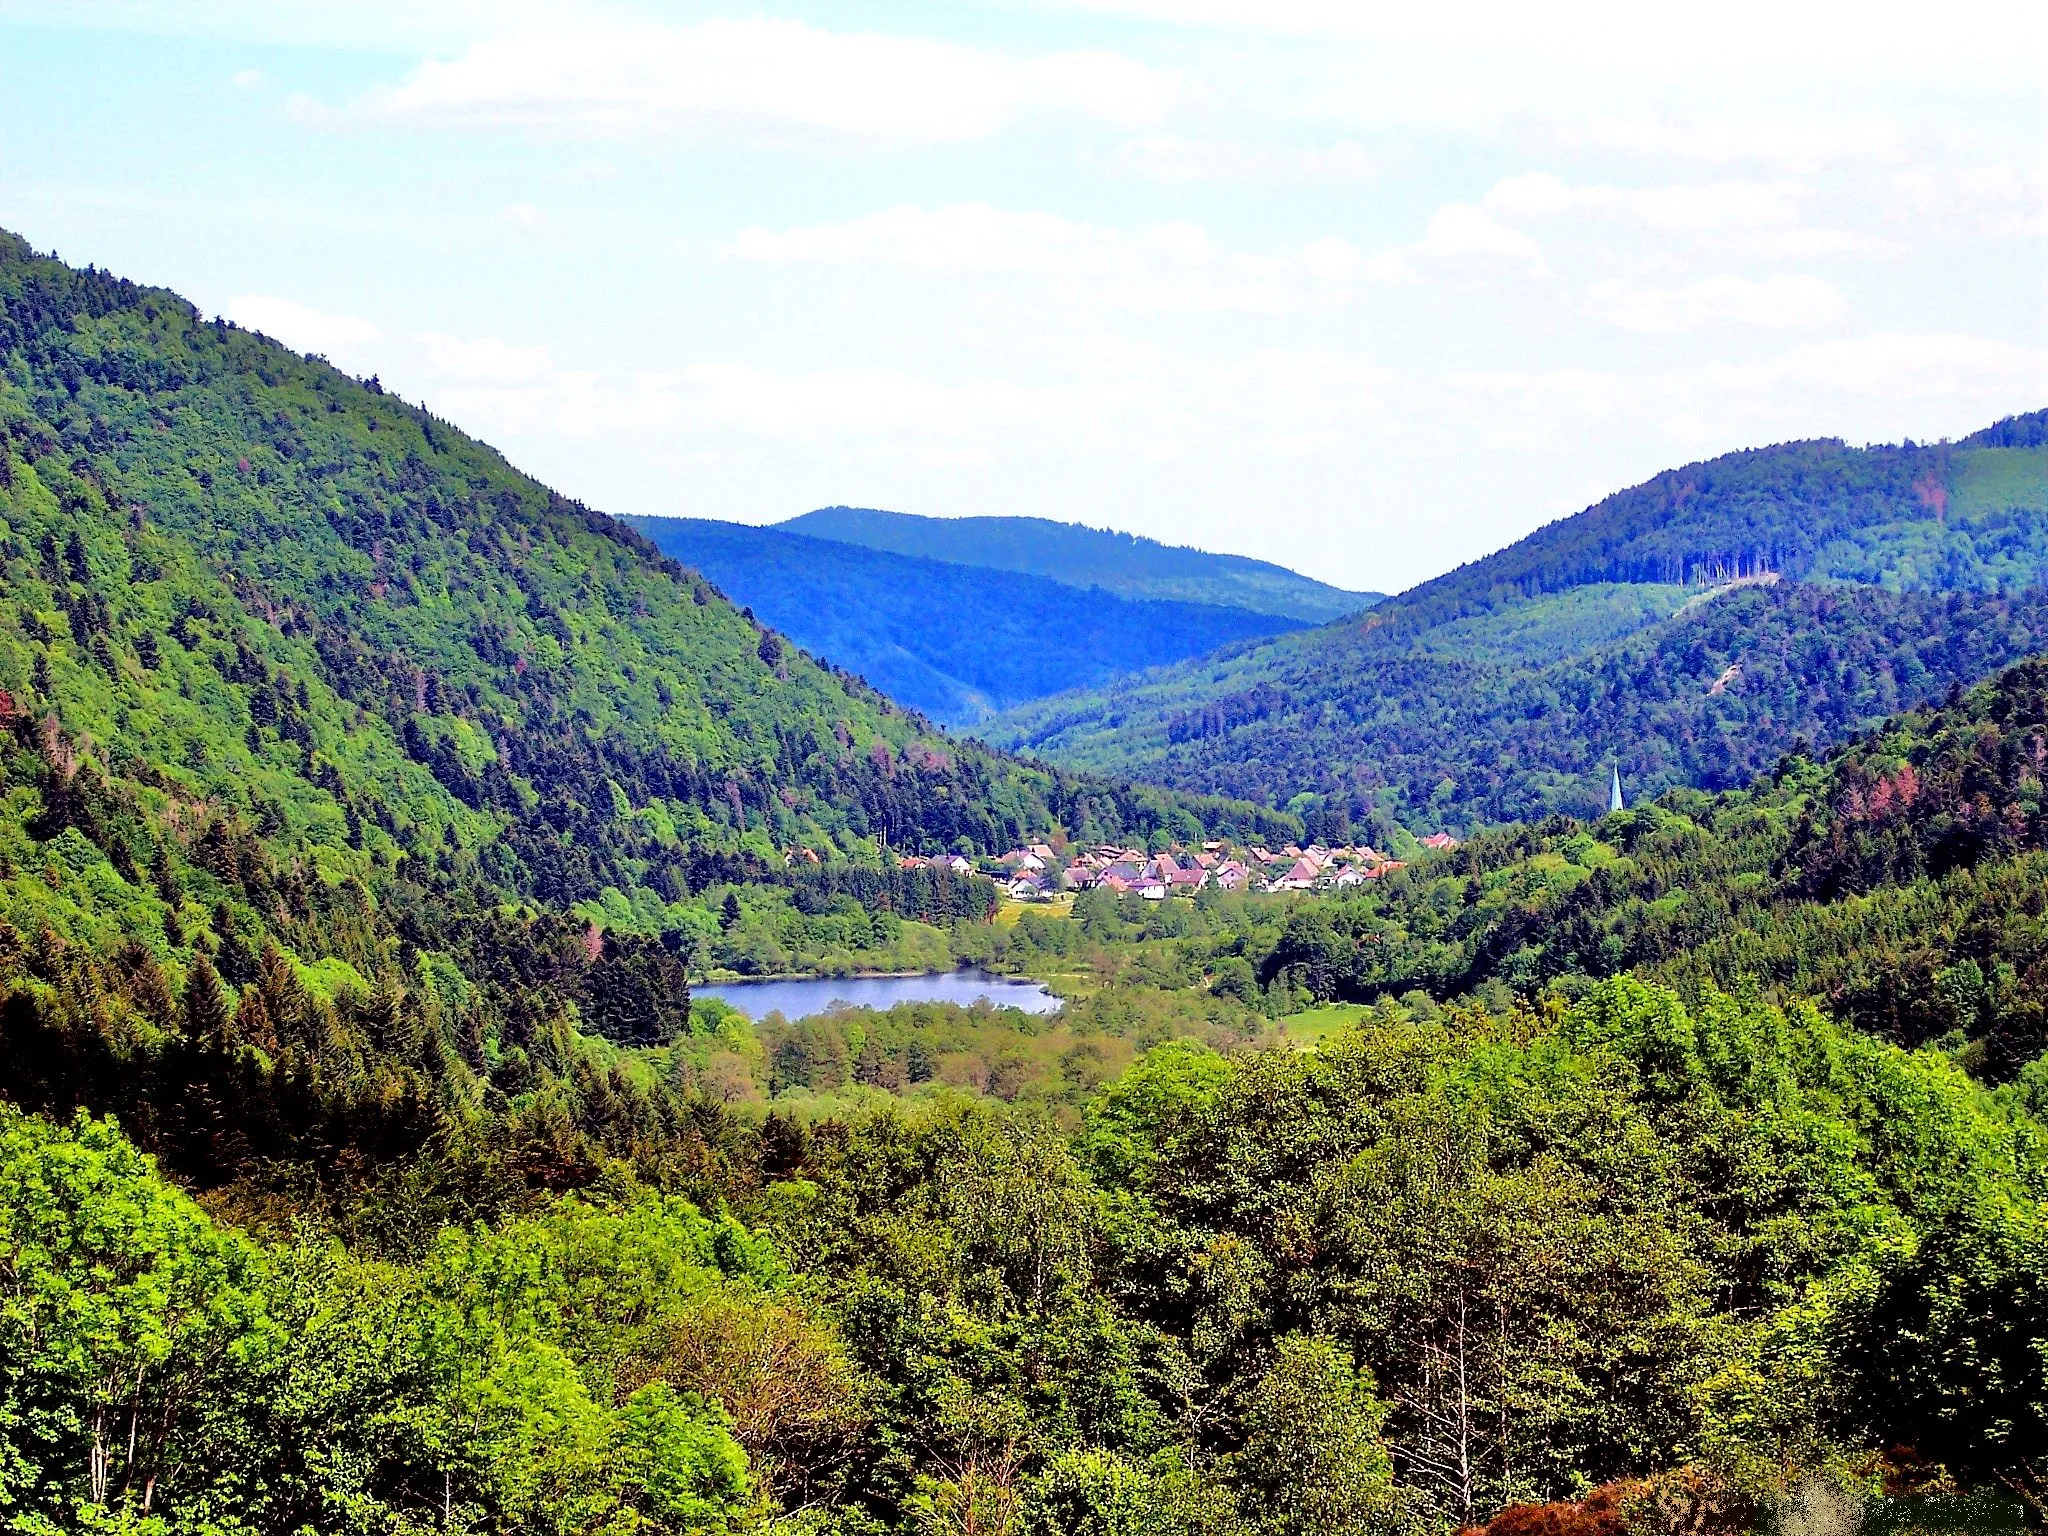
(955, 641)
(1122, 563)
(1902, 881)
(1633, 1234)
(416, 645)
(461, 752)
(2028, 431)
(1708, 700)
(1435, 1267)
(1508, 688)
(366, 906)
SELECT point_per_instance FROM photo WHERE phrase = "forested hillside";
(348, 632)
(351, 778)
(1938, 517)
(954, 641)
(1690, 630)
(1123, 563)
(364, 1167)
(1901, 881)
(1709, 1258)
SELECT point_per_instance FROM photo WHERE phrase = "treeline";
(382, 636)
(1817, 510)
(818, 1066)
(363, 808)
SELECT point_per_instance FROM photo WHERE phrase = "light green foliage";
(364, 810)
(1313, 1462)
(824, 1063)
(124, 1313)
(1132, 1116)
(1098, 1493)
(162, 1370)
(1449, 1259)
(1632, 1234)
(1558, 624)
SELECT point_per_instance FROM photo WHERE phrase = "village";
(1038, 872)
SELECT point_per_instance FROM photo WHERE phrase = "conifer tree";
(206, 1005)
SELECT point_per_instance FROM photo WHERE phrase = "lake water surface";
(802, 996)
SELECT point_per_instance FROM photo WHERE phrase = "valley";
(1418, 1144)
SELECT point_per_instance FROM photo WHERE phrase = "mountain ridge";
(278, 619)
(358, 1175)
(1131, 565)
(954, 641)
(1926, 544)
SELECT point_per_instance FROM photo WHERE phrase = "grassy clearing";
(1311, 1027)
(1009, 911)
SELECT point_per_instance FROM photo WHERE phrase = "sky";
(1366, 289)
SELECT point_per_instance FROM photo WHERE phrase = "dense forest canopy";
(366, 1165)
(1436, 1267)
(1901, 881)
(1690, 630)
(264, 617)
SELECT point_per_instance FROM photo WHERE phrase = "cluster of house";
(1035, 872)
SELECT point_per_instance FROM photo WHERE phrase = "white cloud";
(763, 73)
(1461, 241)
(1245, 285)
(346, 339)
(483, 359)
(782, 404)
(366, 25)
(1172, 267)
(1779, 302)
(1902, 368)
(1765, 219)
(973, 237)
(1785, 143)
(722, 409)
(1878, 386)
(1741, 205)
(1460, 232)
(445, 369)
(1988, 42)
(1175, 160)
(1098, 390)
(1995, 201)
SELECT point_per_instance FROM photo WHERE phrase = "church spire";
(1614, 790)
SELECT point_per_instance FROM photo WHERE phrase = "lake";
(801, 996)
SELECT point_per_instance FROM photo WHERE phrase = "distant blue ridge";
(1124, 563)
(958, 642)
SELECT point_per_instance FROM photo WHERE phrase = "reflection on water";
(805, 995)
